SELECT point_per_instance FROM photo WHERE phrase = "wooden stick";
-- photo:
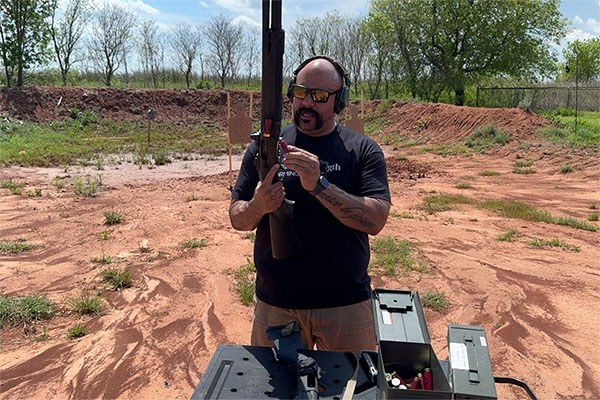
(229, 141)
(362, 103)
(250, 105)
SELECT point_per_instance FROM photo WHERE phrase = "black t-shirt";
(333, 271)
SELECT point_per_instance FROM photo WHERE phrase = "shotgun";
(284, 241)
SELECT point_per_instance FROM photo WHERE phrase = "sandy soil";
(540, 307)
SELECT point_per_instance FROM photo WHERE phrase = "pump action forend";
(284, 242)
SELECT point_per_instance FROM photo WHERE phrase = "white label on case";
(483, 342)
(387, 317)
(459, 358)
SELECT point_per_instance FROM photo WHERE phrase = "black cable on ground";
(514, 381)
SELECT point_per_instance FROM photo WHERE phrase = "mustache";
(306, 110)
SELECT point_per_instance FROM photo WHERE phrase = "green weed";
(509, 236)
(523, 171)
(87, 304)
(251, 236)
(116, 278)
(24, 310)
(554, 243)
(15, 188)
(193, 243)
(528, 162)
(104, 260)
(390, 254)
(445, 149)
(14, 247)
(436, 300)
(76, 331)
(488, 172)
(487, 136)
(463, 185)
(59, 183)
(244, 286)
(161, 157)
(112, 218)
(87, 186)
(443, 202)
(595, 216)
(566, 169)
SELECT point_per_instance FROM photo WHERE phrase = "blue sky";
(583, 15)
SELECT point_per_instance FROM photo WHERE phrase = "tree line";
(421, 48)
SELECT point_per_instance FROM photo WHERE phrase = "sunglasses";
(318, 95)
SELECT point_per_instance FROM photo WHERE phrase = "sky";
(583, 15)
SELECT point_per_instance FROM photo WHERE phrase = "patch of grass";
(554, 243)
(76, 331)
(443, 202)
(15, 188)
(487, 136)
(69, 142)
(87, 186)
(192, 197)
(407, 215)
(595, 216)
(193, 243)
(489, 172)
(463, 185)
(586, 135)
(87, 304)
(445, 149)
(112, 217)
(244, 286)
(391, 254)
(528, 162)
(508, 236)
(161, 157)
(117, 278)
(593, 206)
(566, 169)
(435, 299)
(523, 171)
(251, 236)
(37, 192)
(14, 247)
(506, 208)
(24, 310)
(59, 183)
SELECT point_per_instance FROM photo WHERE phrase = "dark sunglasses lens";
(320, 96)
(300, 92)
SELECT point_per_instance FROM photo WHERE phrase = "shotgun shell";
(395, 382)
(419, 381)
(427, 379)
(415, 383)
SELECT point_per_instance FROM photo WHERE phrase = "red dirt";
(540, 307)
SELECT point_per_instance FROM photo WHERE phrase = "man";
(338, 181)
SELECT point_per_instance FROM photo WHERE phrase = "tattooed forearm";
(357, 214)
(361, 213)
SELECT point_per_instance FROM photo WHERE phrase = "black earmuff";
(342, 96)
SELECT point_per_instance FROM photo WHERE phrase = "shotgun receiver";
(284, 241)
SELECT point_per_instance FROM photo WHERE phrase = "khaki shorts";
(347, 328)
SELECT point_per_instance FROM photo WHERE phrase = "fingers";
(271, 174)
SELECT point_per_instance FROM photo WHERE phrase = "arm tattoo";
(357, 214)
(349, 208)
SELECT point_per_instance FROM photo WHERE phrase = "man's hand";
(305, 164)
(268, 196)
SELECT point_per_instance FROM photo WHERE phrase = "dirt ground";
(540, 307)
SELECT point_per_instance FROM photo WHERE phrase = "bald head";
(325, 70)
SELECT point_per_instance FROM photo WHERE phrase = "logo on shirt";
(325, 167)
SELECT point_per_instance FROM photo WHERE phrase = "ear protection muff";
(342, 97)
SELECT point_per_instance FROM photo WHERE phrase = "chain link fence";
(584, 98)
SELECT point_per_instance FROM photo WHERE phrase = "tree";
(225, 44)
(379, 30)
(110, 39)
(355, 46)
(24, 35)
(458, 42)
(150, 49)
(66, 31)
(583, 58)
(185, 43)
(252, 40)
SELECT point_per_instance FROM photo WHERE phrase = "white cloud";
(244, 20)
(131, 5)
(203, 4)
(593, 25)
(577, 20)
(240, 6)
(577, 34)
